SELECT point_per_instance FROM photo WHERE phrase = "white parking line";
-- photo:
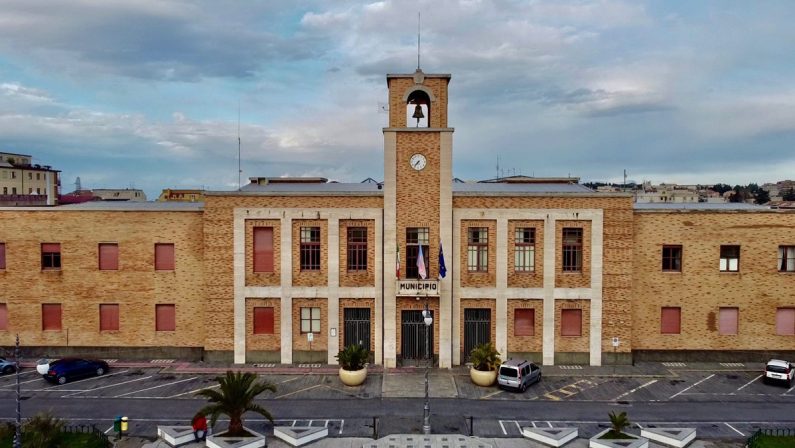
(735, 429)
(190, 392)
(689, 387)
(790, 390)
(748, 383)
(634, 390)
(92, 378)
(504, 432)
(109, 429)
(517, 426)
(155, 387)
(105, 387)
(14, 384)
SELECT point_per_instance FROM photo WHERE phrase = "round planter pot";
(353, 377)
(482, 378)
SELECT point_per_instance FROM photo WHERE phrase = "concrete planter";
(481, 378)
(635, 442)
(221, 441)
(353, 377)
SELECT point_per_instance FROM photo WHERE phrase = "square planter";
(221, 441)
(637, 442)
(176, 435)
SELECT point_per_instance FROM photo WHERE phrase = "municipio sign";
(418, 288)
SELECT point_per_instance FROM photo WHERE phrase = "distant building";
(23, 183)
(171, 195)
(666, 193)
(126, 194)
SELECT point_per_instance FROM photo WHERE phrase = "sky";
(147, 94)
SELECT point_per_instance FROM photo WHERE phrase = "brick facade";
(525, 344)
(525, 279)
(263, 278)
(263, 342)
(475, 278)
(357, 278)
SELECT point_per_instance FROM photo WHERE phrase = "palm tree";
(618, 421)
(235, 397)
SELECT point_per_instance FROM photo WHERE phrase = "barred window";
(416, 237)
(524, 250)
(478, 249)
(310, 248)
(357, 248)
(310, 320)
(672, 258)
(572, 250)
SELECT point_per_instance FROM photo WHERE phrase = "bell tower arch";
(417, 201)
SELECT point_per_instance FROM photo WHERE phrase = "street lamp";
(427, 319)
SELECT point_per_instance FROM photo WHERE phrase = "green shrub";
(41, 431)
(485, 357)
(353, 357)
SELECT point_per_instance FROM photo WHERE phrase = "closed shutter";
(524, 322)
(108, 317)
(165, 318)
(108, 257)
(263, 320)
(727, 322)
(2, 255)
(785, 321)
(51, 248)
(263, 249)
(164, 257)
(3, 316)
(51, 316)
(670, 320)
(571, 322)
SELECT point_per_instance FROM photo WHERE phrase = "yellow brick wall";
(263, 278)
(320, 341)
(526, 279)
(310, 278)
(474, 278)
(567, 344)
(80, 286)
(397, 106)
(478, 303)
(357, 278)
(357, 303)
(701, 289)
(526, 343)
(265, 342)
(411, 303)
(580, 279)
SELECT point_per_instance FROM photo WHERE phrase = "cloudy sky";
(146, 93)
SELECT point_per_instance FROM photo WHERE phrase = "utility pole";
(18, 424)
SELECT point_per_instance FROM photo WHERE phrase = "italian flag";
(397, 272)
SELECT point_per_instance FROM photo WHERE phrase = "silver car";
(7, 366)
(518, 374)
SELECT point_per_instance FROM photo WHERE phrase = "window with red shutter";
(108, 317)
(3, 316)
(785, 321)
(51, 256)
(2, 256)
(524, 322)
(108, 256)
(571, 322)
(51, 316)
(164, 257)
(727, 321)
(263, 320)
(165, 318)
(263, 249)
(670, 320)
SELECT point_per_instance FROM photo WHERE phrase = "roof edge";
(294, 193)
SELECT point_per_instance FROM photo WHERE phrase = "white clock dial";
(418, 161)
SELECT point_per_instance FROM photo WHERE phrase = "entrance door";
(357, 327)
(416, 340)
(477, 329)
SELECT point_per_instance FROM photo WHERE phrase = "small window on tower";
(418, 109)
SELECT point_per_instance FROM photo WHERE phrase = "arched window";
(418, 110)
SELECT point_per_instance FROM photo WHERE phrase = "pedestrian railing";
(753, 441)
(87, 429)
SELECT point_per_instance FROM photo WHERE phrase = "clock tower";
(417, 219)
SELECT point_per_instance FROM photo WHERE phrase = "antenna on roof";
(418, 40)
(239, 171)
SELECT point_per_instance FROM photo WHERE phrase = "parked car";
(778, 370)
(68, 369)
(43, 365)
(518, 374)
(7, 366)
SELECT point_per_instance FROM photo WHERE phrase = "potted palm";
(233, 398)
(352, 361)
(618, 423)
(485, 362)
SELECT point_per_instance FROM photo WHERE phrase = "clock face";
(418, 161)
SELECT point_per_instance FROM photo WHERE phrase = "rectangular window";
(51, 256)
(2, 256)
(672, 258)
(571, 322)
(416, 237)
(357, 248)
(786, 258)
(729, 258)
(263, 249)
(310, 248)
(30, 176)
(525, 250)
(165, 318)
(51, 316)
(164, 257)
(108, 256)
(478, 249)
(572, 250)
(263, 320)
(727, 320)
(785, 321)
(108, 317)
(310, 320)
(670, 320)
(3, 316)
(38, 176)
(524, 322)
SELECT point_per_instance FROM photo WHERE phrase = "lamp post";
(18, 423)
(427, 319)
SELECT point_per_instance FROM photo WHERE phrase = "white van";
(778, 370)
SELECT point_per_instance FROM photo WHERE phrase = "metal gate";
(477, 328)
(416, 340)
(357, 327)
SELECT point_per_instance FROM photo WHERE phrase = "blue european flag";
(442, 267)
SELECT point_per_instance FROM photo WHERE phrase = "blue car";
(68, 369)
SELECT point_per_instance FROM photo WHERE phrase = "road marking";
(638, 425)
(105, 387)
(342, 424)
(193, 391)
(550, 424)
(11, 376)
(504, 432)
(735, 429)
(155, 387)
(634, 390)
(689, 387)
(534, 424)
(790, 390)
(109, 429)
(517, 426)
(288, 380)
(485, 397)
(14, 384)
(748, 383)
(577, 386)
(674, 364)
(300, 390)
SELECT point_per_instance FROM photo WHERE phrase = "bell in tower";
(418, 109)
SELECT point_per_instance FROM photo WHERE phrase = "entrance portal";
(477, 329)
(416, 339)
